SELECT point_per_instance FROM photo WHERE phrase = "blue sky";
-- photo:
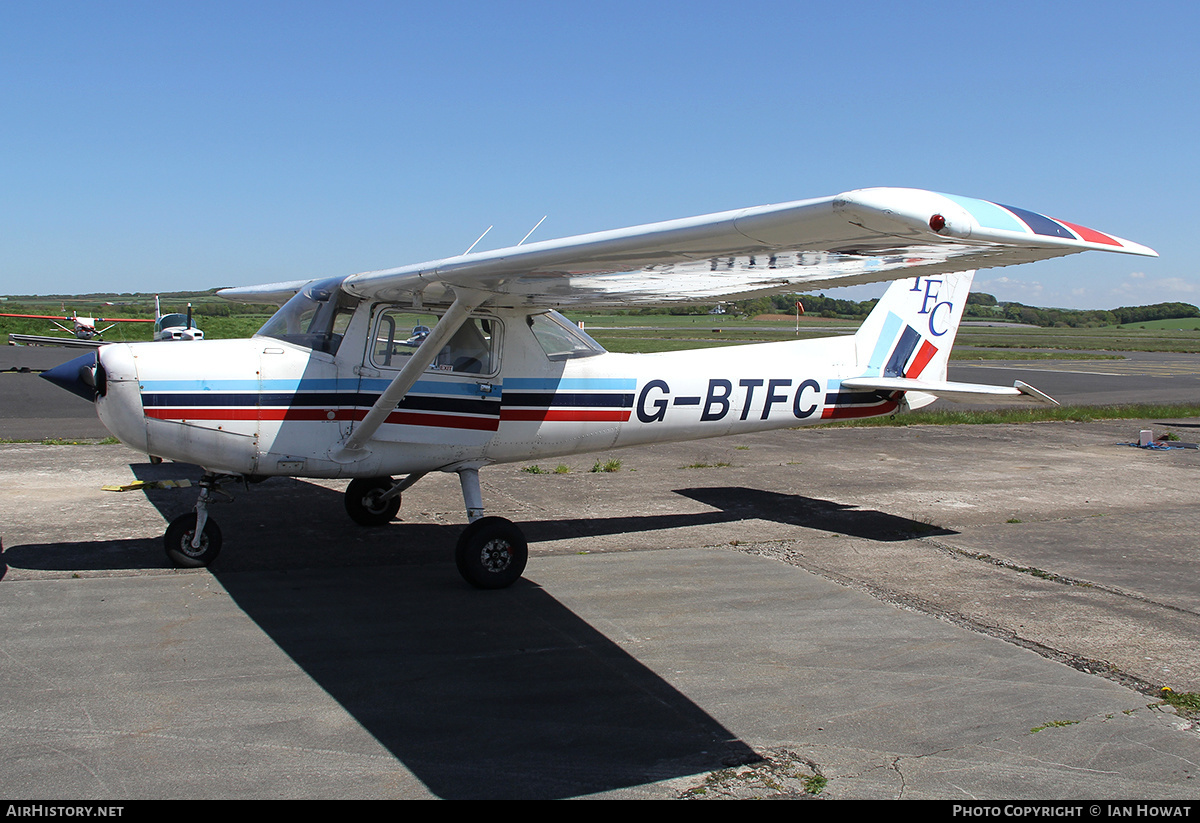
(187, 145)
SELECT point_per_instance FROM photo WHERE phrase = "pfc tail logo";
(929, 287)
(901, 350)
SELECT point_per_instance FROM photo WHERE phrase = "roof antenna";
(476, 243)
(535, 228)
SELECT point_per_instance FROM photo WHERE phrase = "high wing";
(862, 236)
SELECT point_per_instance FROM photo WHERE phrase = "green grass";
(1108, 338)
(58, 441)
(664, 333)
(1053, 724)
(1186, 702)
(1039, 414)
(1026, 354)
(1183, 323)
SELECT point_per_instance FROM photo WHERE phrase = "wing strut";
(465, 301)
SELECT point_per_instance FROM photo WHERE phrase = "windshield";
(170, 321)
(315, 318)
(561, 339)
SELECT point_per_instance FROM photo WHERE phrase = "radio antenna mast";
(476, 243)
(535, 228)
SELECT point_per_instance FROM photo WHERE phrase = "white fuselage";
(265, 406)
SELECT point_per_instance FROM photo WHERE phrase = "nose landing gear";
(193, 540)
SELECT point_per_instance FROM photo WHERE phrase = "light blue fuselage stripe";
(989, 215)
(307, 384)
(883, 345)
(468, 387)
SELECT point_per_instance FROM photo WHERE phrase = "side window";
(400, 332)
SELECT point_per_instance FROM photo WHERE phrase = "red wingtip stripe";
(1090, 235)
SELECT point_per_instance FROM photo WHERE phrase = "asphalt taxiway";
(974, 612)
(932, 612)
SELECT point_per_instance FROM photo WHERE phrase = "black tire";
(491, 553)
(178, 542)
(362, 504)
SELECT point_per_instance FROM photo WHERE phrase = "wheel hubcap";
(187, 547)
(496, 555)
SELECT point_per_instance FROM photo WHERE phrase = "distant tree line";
(1085, 318)
(204, 304)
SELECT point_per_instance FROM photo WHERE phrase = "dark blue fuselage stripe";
(850, 398)
(460, 405)
(556, 399)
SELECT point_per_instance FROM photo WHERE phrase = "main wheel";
(491, 553)
(178, 542)
(363, 503)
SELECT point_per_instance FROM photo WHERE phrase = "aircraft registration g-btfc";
(459, 363)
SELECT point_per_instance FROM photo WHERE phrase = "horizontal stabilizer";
(1019, 392)
(46, 340)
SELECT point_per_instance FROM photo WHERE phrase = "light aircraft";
(83, 329)
(176, 326)
(344, 381)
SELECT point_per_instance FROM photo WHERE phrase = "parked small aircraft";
(82, 328)
(176, 326)
(459, 363)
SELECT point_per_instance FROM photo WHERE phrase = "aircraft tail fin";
(904, 346)
(911, 330)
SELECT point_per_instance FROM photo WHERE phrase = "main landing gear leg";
(194, 540)
(492, 551)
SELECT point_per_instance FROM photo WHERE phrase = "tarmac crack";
(789, 552)
(1053, 577)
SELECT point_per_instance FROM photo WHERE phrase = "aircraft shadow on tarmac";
(263, 529)
(479, 694)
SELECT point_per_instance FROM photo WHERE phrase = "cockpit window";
(400, 331)
(315, 318)
(561, 339)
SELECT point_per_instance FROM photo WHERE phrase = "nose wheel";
(368, 501)
(193, 540)
(180, 538)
